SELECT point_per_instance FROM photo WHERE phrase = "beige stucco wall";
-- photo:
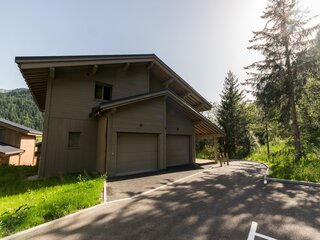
(28, 144)
(22, 141)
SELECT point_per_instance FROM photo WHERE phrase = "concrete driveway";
(212, 203)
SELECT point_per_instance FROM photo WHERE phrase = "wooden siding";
(102, 144)
(60, 157)
(125, 83)
(72, 95)
(69, 102)
(70, 99)
(156, 83)
(178, 122)
(145, 117)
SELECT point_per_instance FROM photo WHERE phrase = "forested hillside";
(18, 106)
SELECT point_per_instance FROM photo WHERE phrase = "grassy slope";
(282, 165)
(24, 204)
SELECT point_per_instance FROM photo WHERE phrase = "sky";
(201, 40)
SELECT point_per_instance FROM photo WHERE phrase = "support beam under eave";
(94, 69)
(215, 145)
(126, 67)
(150, 65)
(52, 72)
(186, 95)
(168, 82)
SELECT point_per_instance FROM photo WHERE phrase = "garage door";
(136, 153)
(178, 150)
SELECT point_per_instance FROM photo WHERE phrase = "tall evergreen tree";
(231, 117)
(283, 40)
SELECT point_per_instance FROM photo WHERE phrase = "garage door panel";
(178, 150)
(136, 152)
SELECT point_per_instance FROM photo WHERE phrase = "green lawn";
(24, 204)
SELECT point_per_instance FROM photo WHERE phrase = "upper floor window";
(102, 91)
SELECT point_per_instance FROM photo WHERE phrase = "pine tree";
(283, 40)
(231, 117)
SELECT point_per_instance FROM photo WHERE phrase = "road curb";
(281, 180)
(312, 184)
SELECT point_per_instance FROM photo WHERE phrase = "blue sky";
(200, 40)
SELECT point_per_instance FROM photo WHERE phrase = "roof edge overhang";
(17, 129)
(28, 63)
(11, 151)
(201, 121)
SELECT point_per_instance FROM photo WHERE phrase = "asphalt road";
(217, 203)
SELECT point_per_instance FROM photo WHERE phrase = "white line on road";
(253, 230)
(253, 233)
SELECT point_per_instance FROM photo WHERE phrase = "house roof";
(19, 128)
(203, 126)
(37, 70)
(9, 150)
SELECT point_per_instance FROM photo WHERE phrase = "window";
(74, 139)
(102, 92)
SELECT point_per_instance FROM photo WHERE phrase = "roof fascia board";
(52, 64)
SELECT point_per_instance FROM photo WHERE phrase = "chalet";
(120, 114)
(17, 143)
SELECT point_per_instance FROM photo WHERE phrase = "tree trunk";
(292, 107)
(294, 125)
(291, 97)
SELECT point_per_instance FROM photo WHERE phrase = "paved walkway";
(212, 203)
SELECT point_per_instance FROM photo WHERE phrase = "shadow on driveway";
(219, 203)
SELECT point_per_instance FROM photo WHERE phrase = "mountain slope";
(18, 106)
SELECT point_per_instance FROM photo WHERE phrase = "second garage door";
(178, 150)
(136, 153)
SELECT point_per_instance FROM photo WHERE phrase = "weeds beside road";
(283, 166)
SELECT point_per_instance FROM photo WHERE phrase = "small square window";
(74, 139)
(106, 93)
(98, 91)
(102, 92)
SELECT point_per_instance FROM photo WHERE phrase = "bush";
(206, 153)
